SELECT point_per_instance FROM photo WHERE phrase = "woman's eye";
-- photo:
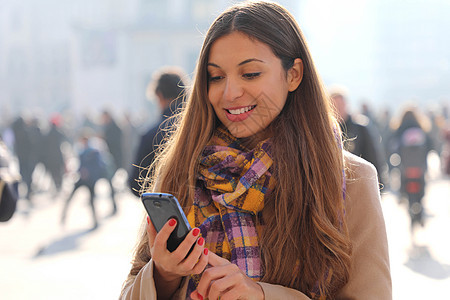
(251, 75)
(215, 78)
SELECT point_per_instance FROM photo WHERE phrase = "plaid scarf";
(229, 196)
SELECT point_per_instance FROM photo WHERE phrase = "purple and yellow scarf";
(229, 195)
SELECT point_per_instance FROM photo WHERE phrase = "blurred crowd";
(59, 154)
(377, 136)
(400, 145)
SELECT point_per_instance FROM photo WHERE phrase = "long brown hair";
(304, 224)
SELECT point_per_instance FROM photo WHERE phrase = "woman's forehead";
(237, 47)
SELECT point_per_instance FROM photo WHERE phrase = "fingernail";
(172, 222)
(148, 220)
(196, 231)
(205, 251)
(200, 241)
(200, 296)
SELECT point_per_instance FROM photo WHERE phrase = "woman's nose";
(233, 90)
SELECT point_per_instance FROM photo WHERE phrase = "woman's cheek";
(215, 101)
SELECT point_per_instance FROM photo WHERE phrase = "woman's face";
(248, 86)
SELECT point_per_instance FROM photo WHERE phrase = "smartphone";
(162, 207)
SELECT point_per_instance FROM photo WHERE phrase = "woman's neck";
(253, 140)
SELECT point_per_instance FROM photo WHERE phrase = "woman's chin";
(241, 131)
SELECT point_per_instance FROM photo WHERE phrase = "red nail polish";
(148, 220)
(201, 241)
(200, 296)
(205, 251)
(196, 231)
(172, 222)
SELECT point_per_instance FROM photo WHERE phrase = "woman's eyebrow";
(240, 64)
(212, 65)
(249, 60)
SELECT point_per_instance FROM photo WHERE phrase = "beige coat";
(369, 275)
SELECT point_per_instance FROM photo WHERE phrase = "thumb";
(151, 232)
(215, 260)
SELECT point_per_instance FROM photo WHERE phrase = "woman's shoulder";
(357, 168)
(369, 275)
(361, 180)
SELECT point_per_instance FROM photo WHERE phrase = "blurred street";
(420, 271)
(39, 259)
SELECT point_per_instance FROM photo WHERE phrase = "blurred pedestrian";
(169, 87)
(437, 127)
(130, 142)
(53, 157)
(92, 168)
(23, 150)
(445, 155)
(112, 134)
(113, 137)
(37, 141)
(9, 184)
(412, 141)
(366, 110)
(361, 139)
(384, 121)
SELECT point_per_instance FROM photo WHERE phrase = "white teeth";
(240, 110)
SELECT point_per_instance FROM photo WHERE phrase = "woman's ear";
(295, 75)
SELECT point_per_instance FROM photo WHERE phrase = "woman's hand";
(227, 281)
(171, 266)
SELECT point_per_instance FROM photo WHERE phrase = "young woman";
(279, 210)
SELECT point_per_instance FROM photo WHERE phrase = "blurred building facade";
(83, 55)
(385, 51)
(412, 50)
(86, 55)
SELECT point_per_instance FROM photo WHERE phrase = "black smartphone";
(162, 207)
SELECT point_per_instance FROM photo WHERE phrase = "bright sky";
(341, 41)
(381, 49)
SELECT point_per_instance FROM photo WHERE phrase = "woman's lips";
(238, 114)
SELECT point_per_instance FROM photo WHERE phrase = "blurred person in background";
(445, 111)
(361, 139)
(384, 121)
(130, 142)
(6, 131)
(366, 110)
(412, 142)
(113, 136)
(445, 154)
(92, 168)
(9, 184)
(88, 121)
(169, 88)
(437, 124)
(37, 150)
(53, 157)
(23, 149)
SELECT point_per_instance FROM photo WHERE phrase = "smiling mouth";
(241, 110)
